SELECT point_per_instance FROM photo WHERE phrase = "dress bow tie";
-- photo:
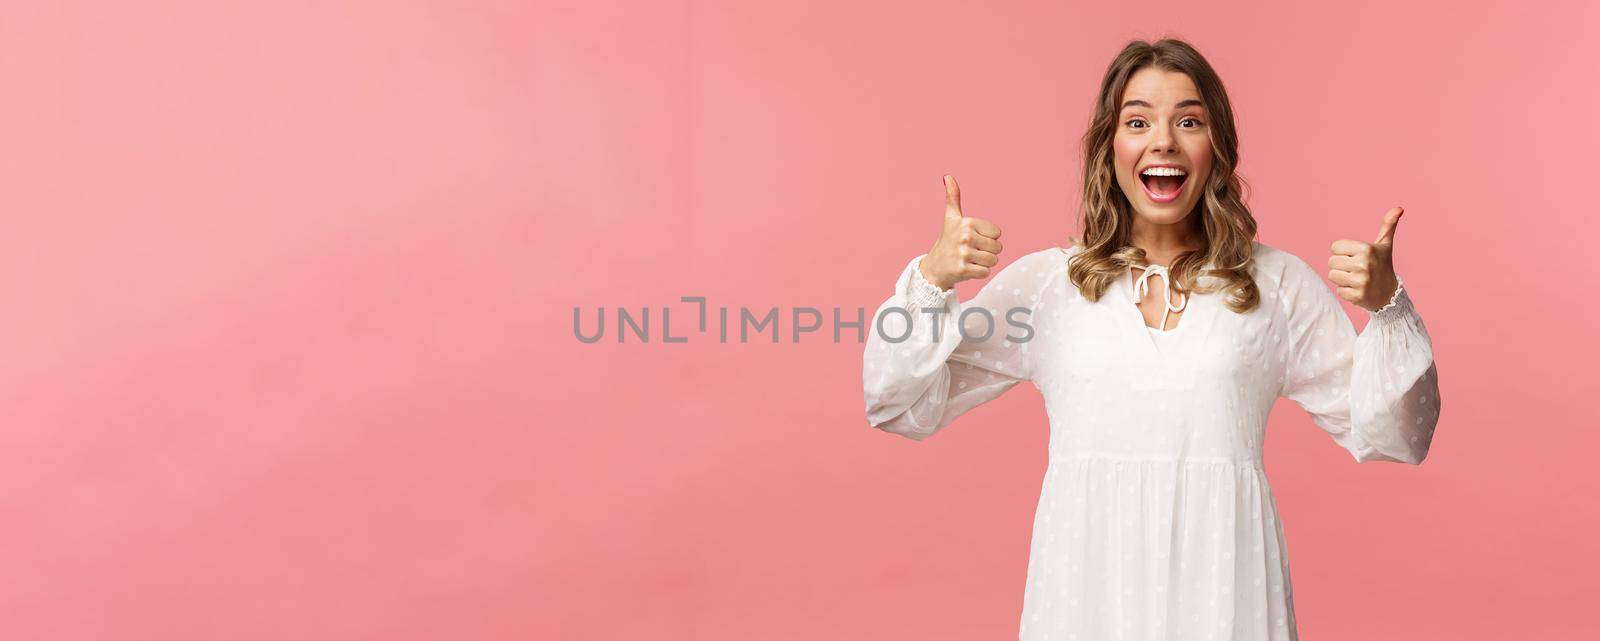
(1142, 287)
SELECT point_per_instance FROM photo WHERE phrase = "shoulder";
(1039, 268)
(1277, 268)
(1293, 283)
(1046, 260)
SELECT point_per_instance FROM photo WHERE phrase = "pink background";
(288, 346)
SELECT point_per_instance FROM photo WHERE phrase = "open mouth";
(1163, 184)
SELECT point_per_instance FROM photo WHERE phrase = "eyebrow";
(1140, 103)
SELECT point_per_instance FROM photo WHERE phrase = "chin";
(1163, 215)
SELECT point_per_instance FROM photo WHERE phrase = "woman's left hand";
(1363, 273)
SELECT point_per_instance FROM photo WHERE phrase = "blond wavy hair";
(1227, 229)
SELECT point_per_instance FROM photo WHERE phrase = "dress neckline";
(1141, 288)
(1164, 348)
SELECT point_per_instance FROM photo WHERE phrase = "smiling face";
(1162, 129)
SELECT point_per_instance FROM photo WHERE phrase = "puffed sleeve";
(1377, 394)
(921, 370)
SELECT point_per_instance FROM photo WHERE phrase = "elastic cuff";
(923, 294)
(1399, 303)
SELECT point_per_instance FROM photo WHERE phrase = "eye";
(1197, 122)
(1135, 120)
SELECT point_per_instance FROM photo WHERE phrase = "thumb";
(952, 197)
(1390, 221)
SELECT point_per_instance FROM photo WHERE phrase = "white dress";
(1155, 520)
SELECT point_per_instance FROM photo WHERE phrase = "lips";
(1163, 189)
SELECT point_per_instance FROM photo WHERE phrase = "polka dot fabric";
(1156, 520)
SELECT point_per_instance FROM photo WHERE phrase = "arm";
(1376, 394)
(916, 386)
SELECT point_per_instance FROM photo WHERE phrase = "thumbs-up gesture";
(1363, 273)
(967, 246)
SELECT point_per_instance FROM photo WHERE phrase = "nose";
(1162, 141)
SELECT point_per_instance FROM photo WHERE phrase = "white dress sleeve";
(921, 371)
(1376, 394)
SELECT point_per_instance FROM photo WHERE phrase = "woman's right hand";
(967, 246)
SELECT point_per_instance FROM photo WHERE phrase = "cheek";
(1199, 149)
(1126, 154)
(1203, 170)
(1200, 152)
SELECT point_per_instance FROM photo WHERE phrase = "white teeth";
(1163, 171)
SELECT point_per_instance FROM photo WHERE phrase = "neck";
(1163, 242)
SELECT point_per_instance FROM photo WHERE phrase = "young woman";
(1156, 520)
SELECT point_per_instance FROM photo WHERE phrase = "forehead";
(1159, 87)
